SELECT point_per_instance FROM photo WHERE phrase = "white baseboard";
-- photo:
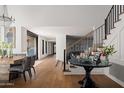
(81, 71)
(115, 79)
(69, 73)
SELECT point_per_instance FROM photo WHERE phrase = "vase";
(9, 52)
(4, 52)
(107, 59)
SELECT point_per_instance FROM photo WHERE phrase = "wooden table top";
(12, 60)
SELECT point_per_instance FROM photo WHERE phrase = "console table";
(87, 81)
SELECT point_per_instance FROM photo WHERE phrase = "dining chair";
(33, 58)
(21, 68)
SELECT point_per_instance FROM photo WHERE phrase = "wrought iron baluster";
(117, 12)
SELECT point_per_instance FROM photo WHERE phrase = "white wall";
(116, 37)
(21, 40)
(60, 46)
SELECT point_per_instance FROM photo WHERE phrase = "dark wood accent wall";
(29, 33)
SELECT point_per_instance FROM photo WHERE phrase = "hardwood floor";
(48, 75)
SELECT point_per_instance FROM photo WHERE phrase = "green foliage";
(4, 46)
(109, 50)
(9, 45)
(1, 52)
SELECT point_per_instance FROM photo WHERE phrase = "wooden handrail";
(110, 11)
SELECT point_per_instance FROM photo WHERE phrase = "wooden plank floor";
(50, 76)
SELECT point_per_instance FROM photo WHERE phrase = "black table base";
(87, 81)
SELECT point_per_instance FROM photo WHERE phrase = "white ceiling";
(52, 20)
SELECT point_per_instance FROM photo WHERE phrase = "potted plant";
(108, 50)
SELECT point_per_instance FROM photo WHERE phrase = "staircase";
(96, 38)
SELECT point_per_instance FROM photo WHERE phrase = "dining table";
(10, 60)
(88, 65)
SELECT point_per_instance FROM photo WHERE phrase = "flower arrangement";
(109, 50)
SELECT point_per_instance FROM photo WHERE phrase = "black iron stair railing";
(112, 18)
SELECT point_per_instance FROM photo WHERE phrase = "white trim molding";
(115, 79)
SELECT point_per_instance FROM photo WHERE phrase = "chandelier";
(4, 17)
(5, 22)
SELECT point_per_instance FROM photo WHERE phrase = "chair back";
(17, 62)
(26, 63)
(32, 60)
(19, 54)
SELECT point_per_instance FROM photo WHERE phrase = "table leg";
(87, 81)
